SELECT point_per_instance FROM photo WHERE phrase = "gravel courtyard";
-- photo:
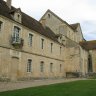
(5, 86)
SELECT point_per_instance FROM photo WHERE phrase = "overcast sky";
(72, 11)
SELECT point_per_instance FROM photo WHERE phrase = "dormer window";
(17, 15)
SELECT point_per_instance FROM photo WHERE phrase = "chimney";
(43, 22)
(9, 3)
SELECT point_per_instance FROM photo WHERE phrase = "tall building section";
(69, 35)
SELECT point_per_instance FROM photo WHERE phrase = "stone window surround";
(42, 43)
(30, 43)
(15, 25)
(60, 68)
(51, 67)
(29, 65)
(42, 66)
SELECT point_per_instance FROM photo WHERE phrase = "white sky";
(72, 11)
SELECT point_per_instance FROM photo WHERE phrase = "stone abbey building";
(49, 48)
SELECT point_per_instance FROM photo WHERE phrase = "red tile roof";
(88, 45)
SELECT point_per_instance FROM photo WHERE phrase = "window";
(60, 50)
(42, 43)
(29, 65)
(60, 67)
(0, 26)
(30, 39)
(16, 34)
(42, 66)
(49, 16)
(51, 47)
(18, 16)
(51, 67)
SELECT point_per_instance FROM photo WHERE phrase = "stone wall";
(13, 61)
(93, 54)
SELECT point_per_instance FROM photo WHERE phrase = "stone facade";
(76, 58)
(26, 52)
(13, 61)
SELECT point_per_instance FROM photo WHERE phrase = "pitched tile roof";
(88, 45)
(27, 21)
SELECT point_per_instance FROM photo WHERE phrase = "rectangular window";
(42, 43)
(51, 47)
(60, 50)
(16, 34)
(51, 67)
(0, 26)
(29, 65)
(42, 66)
(30, 39)
(60, 67)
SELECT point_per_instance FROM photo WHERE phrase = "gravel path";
(5, 86)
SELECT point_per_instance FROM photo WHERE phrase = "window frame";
(51, 67)
(1, 25)
(16, 35)
(60, 50)
(29, 66)
(30, 43)
(60, 68)
(42, 66)
(42, 43)
(51, 47)
(49, 16)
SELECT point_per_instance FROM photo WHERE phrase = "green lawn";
(76, 88)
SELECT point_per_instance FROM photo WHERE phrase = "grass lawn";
(76, 88)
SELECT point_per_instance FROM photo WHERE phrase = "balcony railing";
(16, 41)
